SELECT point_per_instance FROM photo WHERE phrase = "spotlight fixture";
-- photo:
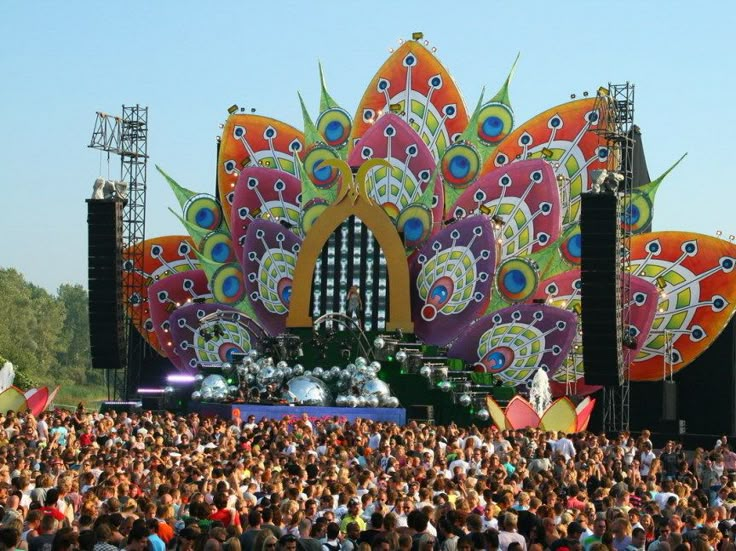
(602, 91)
(232, 109)
(629, 341)
(417, 35)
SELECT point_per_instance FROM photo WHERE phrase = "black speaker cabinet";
(600, 276)
(106, 316)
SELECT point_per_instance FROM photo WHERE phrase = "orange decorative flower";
(561, 415)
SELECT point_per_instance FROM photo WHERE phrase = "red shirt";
(227, 517)
(54, 512)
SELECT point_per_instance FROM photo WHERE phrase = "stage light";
(395, 108)
(547, 153)
(585, 94)
(232, 109)
(629, 341)
(602, 91)
(150, 391)
(731, 237)
(572, 96)
(180, 378)
(578, 309)
(719, 233)
(417, 35)
(661, 282)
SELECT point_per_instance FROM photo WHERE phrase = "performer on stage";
(354, 305)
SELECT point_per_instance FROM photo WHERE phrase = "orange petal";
(584, 411)
(520, 414)
(496, 413)
(12, 399)
(560, 415)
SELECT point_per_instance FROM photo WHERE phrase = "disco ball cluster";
(353, 385)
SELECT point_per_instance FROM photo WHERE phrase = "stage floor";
(391, 415)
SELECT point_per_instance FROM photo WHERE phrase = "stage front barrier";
(386, 415)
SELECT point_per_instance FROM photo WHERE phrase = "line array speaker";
(106, 316)
(600, 292)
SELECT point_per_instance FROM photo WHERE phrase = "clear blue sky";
(60, 62)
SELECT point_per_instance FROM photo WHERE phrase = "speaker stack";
(106, 316)
(600, 292)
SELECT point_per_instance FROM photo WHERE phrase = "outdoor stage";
(390, 415)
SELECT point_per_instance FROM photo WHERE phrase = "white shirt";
(565, 447)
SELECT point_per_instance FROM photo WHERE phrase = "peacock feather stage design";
(477, 216)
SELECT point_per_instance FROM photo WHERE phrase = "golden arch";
(353, 200)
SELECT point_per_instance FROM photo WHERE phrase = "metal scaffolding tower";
(617, 106)
(127, 137)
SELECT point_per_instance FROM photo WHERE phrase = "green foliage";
(45, 336)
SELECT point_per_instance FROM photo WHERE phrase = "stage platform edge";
(390, 415)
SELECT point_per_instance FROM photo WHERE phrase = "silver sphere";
(401, 356)
(377, 388)
(199, 377)
(351, 368)
(227, 366)
(360, 361)
(268, 361)
(250, 379)
(288, 372)
(169, 390)
(253, 354)
(483, 414)
(213, 384)
(445, 386)
(375, 366)
(341, 400)
(335, 370)
(233, 390)
(361, 401)
(425, 371)
(196, 395)
(392, 402)
(465, 400)
(297, 370)
(379, 343)
(352, 401)
(282, 365)
(219, 394)
(266, 375)
(254, 368)
(207, 394)
(318, 372)
(278, 375)
(307, 390)
(371, 401)
(327, 375)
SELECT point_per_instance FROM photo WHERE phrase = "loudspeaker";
(669, 401)
(422, 413)
(600, 288)
(106, 316)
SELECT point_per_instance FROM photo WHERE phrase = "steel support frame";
(127, 137)
(133, 170)
(619, 121)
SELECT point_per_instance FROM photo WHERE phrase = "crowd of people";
(157, 481)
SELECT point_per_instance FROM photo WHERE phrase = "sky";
(61, 62)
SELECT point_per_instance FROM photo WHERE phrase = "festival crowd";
(156, 481)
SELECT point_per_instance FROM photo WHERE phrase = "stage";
(389, 415)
